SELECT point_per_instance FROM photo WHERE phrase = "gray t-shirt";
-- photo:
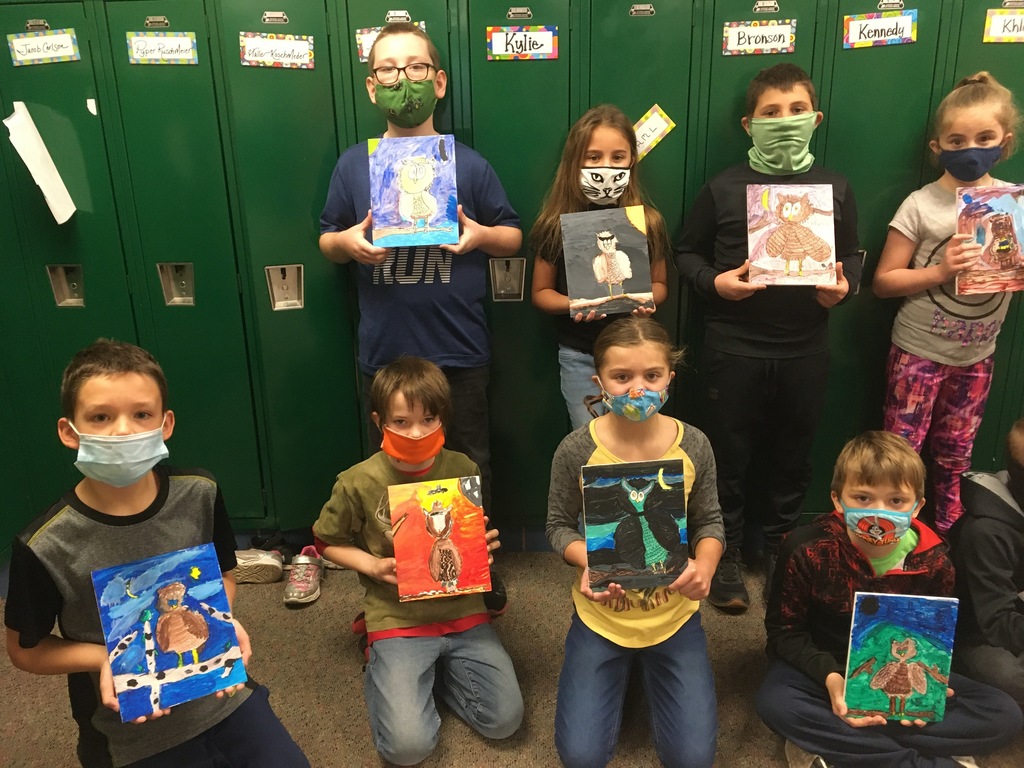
(936, 323)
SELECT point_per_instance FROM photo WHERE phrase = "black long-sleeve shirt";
(780, 321)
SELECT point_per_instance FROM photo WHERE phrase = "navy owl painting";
(168, 630)
(634, 516)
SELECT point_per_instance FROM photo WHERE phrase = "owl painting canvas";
(439, 537)
(901, 648)
(634, 520)
(168, 629)
(413, 196)
(995, 216)
(791, 234)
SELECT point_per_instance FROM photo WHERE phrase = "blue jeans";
(476, 680)
(577, 369)
(678, 684)
(979, 719)
(250, 736)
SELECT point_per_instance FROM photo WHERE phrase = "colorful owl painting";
(790, 234)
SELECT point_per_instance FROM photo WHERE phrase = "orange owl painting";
(790, 234)
(438, 532)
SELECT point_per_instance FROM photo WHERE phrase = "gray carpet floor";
(308, 658)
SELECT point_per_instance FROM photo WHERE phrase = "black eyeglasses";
(414, 72)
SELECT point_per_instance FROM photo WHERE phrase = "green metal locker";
(193, 323)
(283, 147)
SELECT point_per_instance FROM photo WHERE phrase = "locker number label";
(48, 46)
(743, 38)
(504, 43)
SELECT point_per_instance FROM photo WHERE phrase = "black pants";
(469, 430)
(761, 414)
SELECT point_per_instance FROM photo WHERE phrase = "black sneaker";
(727, 590)
(496, 600)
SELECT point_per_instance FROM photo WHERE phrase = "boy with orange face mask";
(411, 642)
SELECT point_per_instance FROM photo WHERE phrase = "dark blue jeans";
(979, 719)
(678, 684)
(469, 431)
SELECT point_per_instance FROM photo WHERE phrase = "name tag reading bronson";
(743, 38)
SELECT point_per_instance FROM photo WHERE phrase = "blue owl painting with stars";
(168, 630)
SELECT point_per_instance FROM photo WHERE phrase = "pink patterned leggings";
(943, 404)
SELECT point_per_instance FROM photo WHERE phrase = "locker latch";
(36, 25)
(178, 282)
(157, 21)
(519, 12)
(284, 281)
(508, 279)
(275, 17)
(641, 9)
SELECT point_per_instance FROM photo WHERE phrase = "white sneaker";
(799, 758)
(258, 566)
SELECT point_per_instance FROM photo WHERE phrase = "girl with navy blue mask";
(940, 364)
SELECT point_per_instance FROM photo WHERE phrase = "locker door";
(175, 171)
(369, 121)
(85, 253)
(1003, 60)
(660, 48)
(881, 154)
(282, 135)
(520, 112)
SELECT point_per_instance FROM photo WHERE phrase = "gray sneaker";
(304, 580)
(258, 566)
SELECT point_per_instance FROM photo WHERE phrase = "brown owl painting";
(790, 234)
(1004, 250)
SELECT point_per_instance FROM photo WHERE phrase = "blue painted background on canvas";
(413, 195)
(901, 648)
(147, 590)
(635, 523)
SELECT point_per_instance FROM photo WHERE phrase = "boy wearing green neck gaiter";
(766, 352)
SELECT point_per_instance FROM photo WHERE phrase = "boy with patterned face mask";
(126, 508)
(426, 301)
(765, 351)
(870, 542)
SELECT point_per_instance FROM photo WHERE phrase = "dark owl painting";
(439, 537)
(634, 518)
(995, 216)
(791, 234)
(901, 649)
(168, 629)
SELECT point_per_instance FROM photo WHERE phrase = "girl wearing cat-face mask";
(597, 170)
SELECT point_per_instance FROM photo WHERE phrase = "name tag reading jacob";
(742, 38)
(44, 47)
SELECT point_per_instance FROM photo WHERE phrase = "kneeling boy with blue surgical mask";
(871, 542)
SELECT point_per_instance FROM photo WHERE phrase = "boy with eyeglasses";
(426, 301)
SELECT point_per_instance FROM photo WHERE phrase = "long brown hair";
(565, 195)
(981, 88)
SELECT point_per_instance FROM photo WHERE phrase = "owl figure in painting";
(179, 629)
(1004, 250)
(611, 266)
(900, 679)
(792, 240)
(445, 560)
(648, 539)
(415, 203)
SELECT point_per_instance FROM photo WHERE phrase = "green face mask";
(406, 103)
(781, 144)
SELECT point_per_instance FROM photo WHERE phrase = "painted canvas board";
(439, 538)
(995, 216)
(901, 648)
(791, 237)
(168, 630)
(607, 266)
(634, 519)
(412, 191)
